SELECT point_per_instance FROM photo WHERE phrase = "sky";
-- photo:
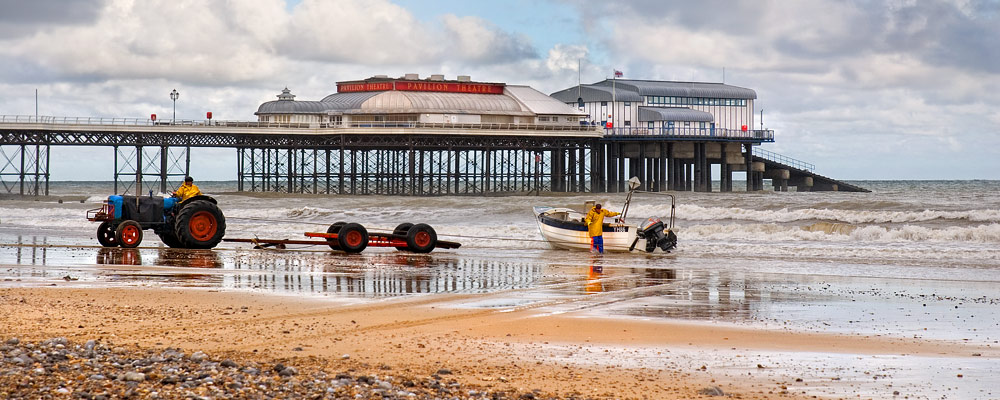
(865, 90)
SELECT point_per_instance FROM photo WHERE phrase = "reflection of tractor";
(196, 223)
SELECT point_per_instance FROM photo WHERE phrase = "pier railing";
(778, 158)
(31, 119)
(765, 135)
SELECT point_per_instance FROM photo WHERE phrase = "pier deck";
(388, 158)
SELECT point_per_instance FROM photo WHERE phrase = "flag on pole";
(618, 74)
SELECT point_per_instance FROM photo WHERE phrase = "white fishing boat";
(565, 228)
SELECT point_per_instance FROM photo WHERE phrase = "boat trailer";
(355, 238)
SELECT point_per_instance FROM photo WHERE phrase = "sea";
(910, 259)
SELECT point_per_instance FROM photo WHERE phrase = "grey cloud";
(22, 18)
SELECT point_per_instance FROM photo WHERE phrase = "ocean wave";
(691, 212)
(986, 233)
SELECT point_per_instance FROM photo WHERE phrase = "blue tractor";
(196, 223)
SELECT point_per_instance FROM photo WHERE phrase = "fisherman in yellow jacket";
(187, 190)
(595, 226)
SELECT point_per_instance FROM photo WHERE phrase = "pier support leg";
(671, 167)
(24, 170)
(748, 160)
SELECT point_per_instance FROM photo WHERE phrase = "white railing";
(778, 158)
(31, 119)
(766, 135)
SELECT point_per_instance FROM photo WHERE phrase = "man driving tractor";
(187, 189)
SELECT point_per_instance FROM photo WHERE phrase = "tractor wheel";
(106, 235)
(200, 225)
(334, 228)
(353, 238)
(421, 238)
(129, 234)
(401, 230)
(170, 239)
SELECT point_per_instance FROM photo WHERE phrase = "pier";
(405, 158)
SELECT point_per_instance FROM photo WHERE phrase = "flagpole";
(614, 99)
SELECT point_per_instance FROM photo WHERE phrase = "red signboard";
(421, 86)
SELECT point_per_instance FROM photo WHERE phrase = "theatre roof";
(635, 90)
(647, 114)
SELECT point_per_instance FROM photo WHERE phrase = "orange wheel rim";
(353, 238)
(202, 225)
(130, 235)
(422, 239)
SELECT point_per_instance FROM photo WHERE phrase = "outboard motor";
(652, 230)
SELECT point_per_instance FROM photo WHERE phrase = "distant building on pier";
(633, 106)
(410, 100)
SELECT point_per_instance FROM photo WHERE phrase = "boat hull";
(571, 233)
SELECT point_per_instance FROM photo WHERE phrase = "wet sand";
(582, 326)
(520, 350)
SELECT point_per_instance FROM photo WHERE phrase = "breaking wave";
(986, 233)
(698, 213)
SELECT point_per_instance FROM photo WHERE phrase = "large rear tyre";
(353, 238)
(129, 234)
(170, 239)
(421, 238)
(106, 235)
(200, 225)
(401, 230)
(334, 228)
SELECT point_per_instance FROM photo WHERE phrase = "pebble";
(101, 371)
(133, 376)
(199, 357)
(712, 391)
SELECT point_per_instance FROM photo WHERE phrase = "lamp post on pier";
(173, 96)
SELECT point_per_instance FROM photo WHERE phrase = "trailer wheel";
(200, 225)
(421, 238)
(353, 238)
(129, 234)
(401, 230)
(334, 228)
(106, 235)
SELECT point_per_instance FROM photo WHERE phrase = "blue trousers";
(597, 243)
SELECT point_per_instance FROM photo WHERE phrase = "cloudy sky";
(863, 89)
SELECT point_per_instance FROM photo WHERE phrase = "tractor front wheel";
(200, 225)
(106, 235)
(129, 234)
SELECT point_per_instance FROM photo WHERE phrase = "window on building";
(687, 124)
(650, 124)
(701, 125)
(628, 104)
(543, 119)
(628, 123)
(604, 104)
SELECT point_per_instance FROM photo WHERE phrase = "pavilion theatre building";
(430, 136)
(670, 134)
(381, 100)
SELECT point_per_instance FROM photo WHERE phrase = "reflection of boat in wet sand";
(564, 228)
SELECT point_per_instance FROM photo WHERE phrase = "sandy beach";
(522, 351)
(858, 296)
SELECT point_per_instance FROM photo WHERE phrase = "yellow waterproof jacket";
(187, 191)
(595, 221)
